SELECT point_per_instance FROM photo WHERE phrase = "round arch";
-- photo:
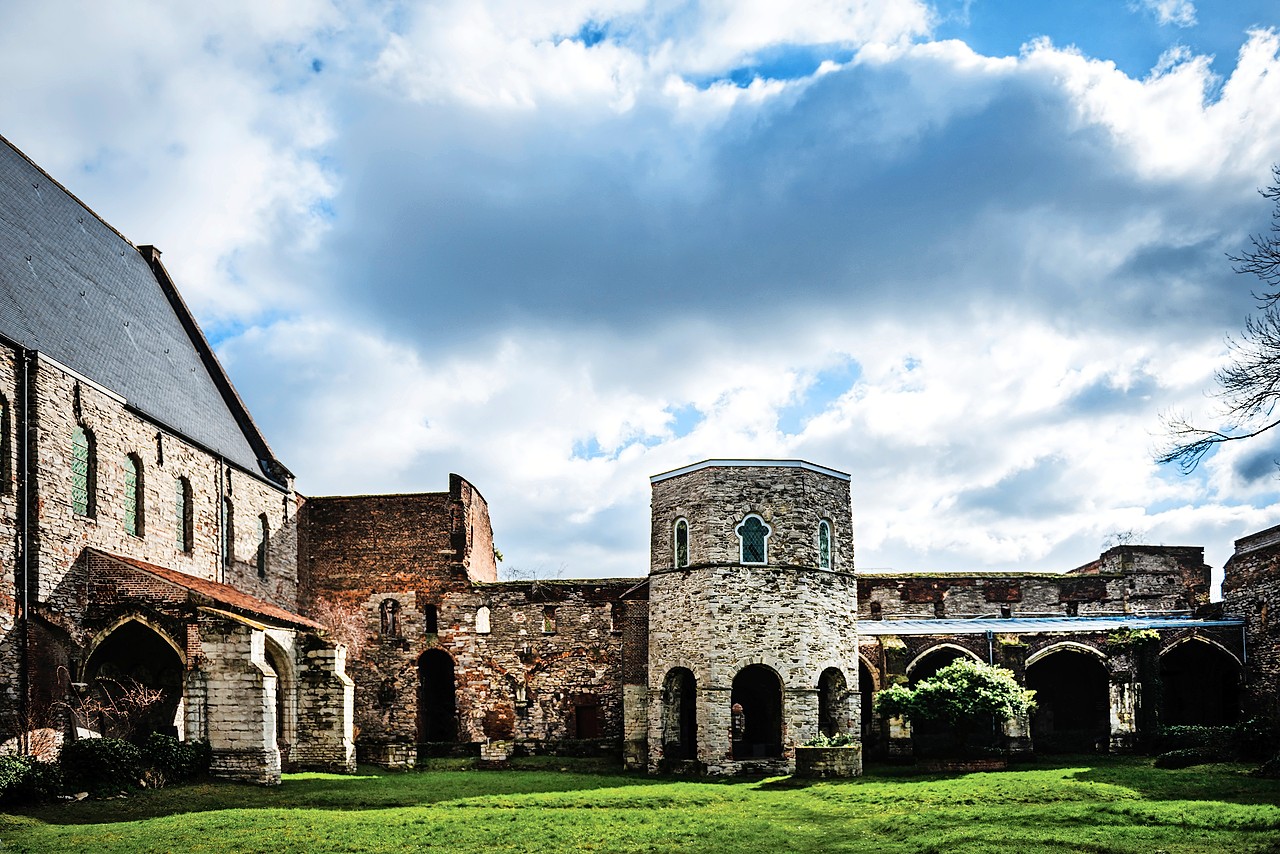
(947, 652)
(1065, 646)
(286, 692)
(757, 712)
(833, 702)
(680, 714)
(868, 685)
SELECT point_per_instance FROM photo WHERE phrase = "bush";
(101, 764)
(24, 778)
(1186, 757)
(176, 761)
(1249, 740)
(840, 739)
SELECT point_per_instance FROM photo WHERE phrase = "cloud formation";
(558, 248)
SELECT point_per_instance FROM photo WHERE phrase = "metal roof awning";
(1036, 625)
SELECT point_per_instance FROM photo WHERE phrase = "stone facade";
(1251, 591)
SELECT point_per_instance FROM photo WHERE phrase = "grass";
(1090, 804)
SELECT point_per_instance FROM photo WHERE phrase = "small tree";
(962, 697)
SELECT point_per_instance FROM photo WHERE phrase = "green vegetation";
(1091, 804)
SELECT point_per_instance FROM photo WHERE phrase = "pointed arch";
(84, 472)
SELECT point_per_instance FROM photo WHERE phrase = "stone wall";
(1251, 591)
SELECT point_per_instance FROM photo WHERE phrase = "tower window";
(182, 513)
(83, 472)
(264, 539)
(682, 543)
(228, 533)
(430, 620)
(824, 544)
(753, 537)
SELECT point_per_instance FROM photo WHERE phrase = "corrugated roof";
(74, 289)
(1035, 625)
(216, 592)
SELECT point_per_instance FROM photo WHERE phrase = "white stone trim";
(1067, 646)
(931, 650)
(1201, 638)
(768, 532)
(780, 464)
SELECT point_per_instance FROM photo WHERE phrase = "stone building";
(149, 536)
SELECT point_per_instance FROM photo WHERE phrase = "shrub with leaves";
(25, 778)
(101, 764)
(962, 697)
(840, 739)
(176, 761)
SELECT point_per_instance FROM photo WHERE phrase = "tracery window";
(682, 543)
(83, 472)
(824, 544)
(753, 540)
(133, 500)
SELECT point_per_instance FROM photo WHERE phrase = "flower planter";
(813, 762)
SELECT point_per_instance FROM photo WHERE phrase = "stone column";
(1125, 698)
(240, 701)
(326, 700)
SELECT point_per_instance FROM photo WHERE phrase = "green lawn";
(1088, 804)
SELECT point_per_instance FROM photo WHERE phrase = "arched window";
(228, 532)
(133, 501)
(182, 513)
(682, 543)
(482, 620)
(824, 544)
(753, 536)
(83, 472)
(389, 612)
(264, 539)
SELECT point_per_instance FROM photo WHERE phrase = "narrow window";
(824, 545)
(389, 612)
(753, 536)
(876, 611)
(264, 539)
(182, 513)
(617, 614)
(549, 620)
(430, 620)
(682, 543)
(482, 620)
(133, 500)
(228, 532)
(6, 448)
(83, 472)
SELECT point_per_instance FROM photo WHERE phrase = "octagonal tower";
(752, 614)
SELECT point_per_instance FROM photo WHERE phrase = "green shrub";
(840, 739)
(176, 761)
(101, 764)
(24, 778)
(1249, 740)
(1185, 758)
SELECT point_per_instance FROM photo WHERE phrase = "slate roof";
(215, 593)
(74, 289)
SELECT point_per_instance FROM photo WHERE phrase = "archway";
(135, 683)
(758, 690)
(680, 715)
(932, 737)
(1072, 712)
(833, 702)
(1200, 685)
(867, 689)
(286, 698)
(437, 704)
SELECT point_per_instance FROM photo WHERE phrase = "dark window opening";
(833, 712)
(866, 688)
(182, 513)
(1073, 705)
(680, 715)
(586, 721)
(617, 614)
(877, 611)
(389, 618)
(264, 540)
(430, 622)
(437, 704)
(682, 543)
(756, 713)
(1200, 686)
(228, 533)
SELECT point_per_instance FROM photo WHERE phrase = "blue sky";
(967, 252)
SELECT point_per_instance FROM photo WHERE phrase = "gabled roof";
(209, 592)
(74, 289)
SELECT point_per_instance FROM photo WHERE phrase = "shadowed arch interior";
(134, 653)
(1072, 712)
(1200, 686)
(680, 715)
(867, 688)
(758, 690)
(833, 717)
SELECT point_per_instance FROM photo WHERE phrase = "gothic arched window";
(682, 543)
(753, 540)
(83, 472)
(133, 501)
(824, 544)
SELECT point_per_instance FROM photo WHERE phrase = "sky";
(969, 252)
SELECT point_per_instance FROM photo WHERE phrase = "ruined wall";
(1124, 580)
(1251, 591)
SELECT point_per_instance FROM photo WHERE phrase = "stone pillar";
(898, 743)
(635, 726)
(1125, 699)
(326, 702)
(240, 702)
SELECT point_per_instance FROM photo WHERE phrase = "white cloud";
(1180, 13)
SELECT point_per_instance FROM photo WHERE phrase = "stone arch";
(833, 702)
(281, 663)
(1200, 684)
(757, 688)
(1063, 646)
(437, 697)
(935, 658)
(1073, 696)
(133, 650)
(868, 684)
(680, 714)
